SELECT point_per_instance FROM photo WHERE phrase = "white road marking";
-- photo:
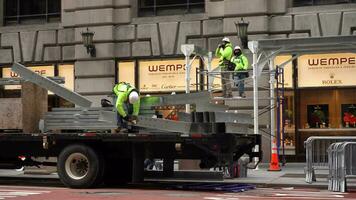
(10, 193)
(221, 198)
(285, 193)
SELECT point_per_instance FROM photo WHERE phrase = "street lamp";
(88, 42)
(241, 28)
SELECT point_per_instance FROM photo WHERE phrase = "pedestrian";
(224, 53)
(241, 64)
(127, 104)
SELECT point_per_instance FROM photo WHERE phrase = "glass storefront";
(326, 96)
(323, 101)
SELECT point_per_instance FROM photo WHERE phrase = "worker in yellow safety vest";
(127, 103)
(224, 53)
(240, 62)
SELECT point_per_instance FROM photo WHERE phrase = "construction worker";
(240, 62)
(127, 103)
(224, 53)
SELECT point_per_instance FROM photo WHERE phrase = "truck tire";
(79, 166)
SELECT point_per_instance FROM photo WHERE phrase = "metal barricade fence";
(342, 165)
(316, 153)
(333, 165)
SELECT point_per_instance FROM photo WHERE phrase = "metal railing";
(342, 165)
(317, 153)
(206, 79)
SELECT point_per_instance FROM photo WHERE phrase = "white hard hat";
(226, 39)
(237, 48)
(133, 97)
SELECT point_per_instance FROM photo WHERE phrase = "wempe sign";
(325, 70)
(165, 75)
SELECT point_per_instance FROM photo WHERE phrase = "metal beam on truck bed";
(78, 119)
(192, 127)
(201, 100)
(227, 117)
(50, 85)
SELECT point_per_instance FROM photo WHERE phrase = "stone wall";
(119, 35)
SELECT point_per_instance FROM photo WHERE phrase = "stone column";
(2, 12)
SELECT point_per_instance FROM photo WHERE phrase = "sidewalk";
(291, 175)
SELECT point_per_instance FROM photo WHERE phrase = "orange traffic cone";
(274, 165)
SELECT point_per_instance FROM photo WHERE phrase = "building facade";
(134, 38)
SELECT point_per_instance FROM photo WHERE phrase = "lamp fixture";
(241, 28)
(88, 42)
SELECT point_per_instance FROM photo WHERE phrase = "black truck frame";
(88, 153)
(86, 160)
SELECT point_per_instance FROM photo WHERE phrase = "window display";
(289, 123)
(318, 116)
(348, 115)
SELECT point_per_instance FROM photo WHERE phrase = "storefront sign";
(165, 75)
(42, 70)
(288, 69)
(65, 71)
(325, 70)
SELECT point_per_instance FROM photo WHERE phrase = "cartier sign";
(324, 70)
(165, 75)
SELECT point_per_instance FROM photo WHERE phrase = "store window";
(289, 122)
(31, 11)
(126, 72)
(170, 7)
(297, 3)
(348, 115)
(317, 116)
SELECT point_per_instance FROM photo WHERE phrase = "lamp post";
(88, 42)
(241, 28)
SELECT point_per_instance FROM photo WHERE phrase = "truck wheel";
(79, 166)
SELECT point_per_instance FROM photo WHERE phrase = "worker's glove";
(222, 46)
(132, 119)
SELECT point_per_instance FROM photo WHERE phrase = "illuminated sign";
(165, 75)
(66, 71)
(324, 70)
(47, 71)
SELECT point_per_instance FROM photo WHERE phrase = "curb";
(39, 171)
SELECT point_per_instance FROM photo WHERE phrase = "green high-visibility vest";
(122, 91)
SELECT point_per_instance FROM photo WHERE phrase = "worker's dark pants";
(129, 110)
(226, 82)
(240, 82)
